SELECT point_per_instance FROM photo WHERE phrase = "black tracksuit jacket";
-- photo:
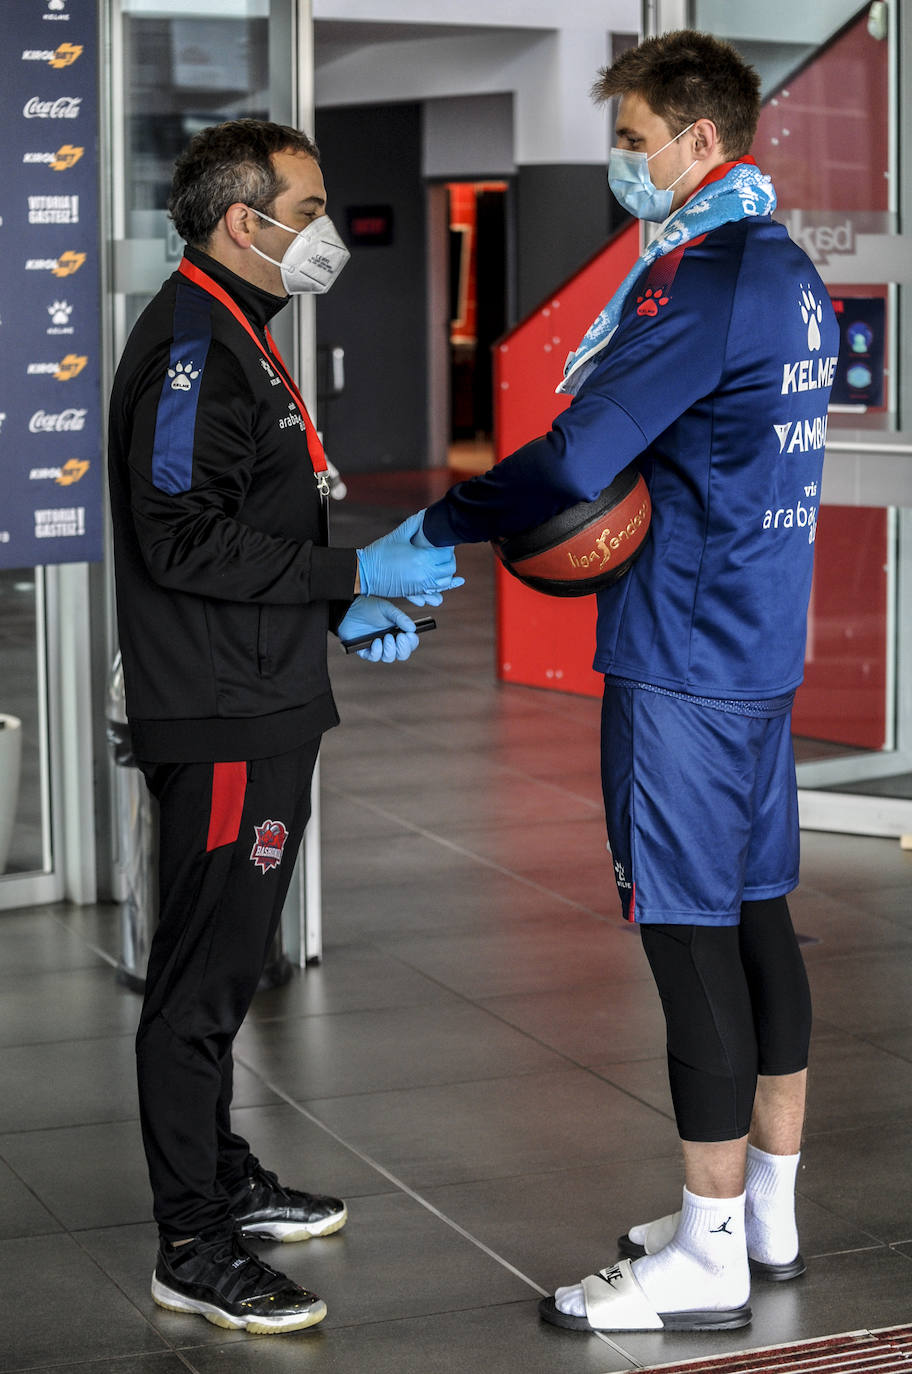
(224, 579)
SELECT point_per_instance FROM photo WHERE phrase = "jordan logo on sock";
(714, 1230)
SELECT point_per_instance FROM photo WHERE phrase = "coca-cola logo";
(66, 107)
(43, 423)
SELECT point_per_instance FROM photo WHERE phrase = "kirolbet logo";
(72, 471)
(64, 266)
(66, 157)
(65, 55)
(68, 263)
(64, 371)
(70, 367)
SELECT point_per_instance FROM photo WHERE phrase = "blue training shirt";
(718, 379)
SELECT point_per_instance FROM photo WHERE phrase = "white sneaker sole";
(294, 1230)
(257, 1326)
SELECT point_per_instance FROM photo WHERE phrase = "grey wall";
(468, 136)
(564, 214)
(371, 155)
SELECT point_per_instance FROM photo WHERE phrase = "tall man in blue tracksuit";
(711, 367)
(226, 587)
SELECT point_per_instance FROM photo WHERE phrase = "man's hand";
(369, 613)
(398, 565)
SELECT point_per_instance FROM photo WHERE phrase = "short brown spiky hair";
(227, 163)
(685, 76)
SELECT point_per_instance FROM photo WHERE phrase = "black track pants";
(229, 836)
(736, 1003)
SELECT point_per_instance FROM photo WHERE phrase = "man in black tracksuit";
(226, 588)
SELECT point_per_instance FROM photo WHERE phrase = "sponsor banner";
(51, 467)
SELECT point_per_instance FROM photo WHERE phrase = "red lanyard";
(314, 447)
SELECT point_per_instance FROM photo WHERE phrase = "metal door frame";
(291, 84)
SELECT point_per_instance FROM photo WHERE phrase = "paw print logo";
(812, 314)
(649, 302)
(60, 312)
(182, 374)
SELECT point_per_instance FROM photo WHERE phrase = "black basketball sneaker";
(265, 1208)
(222, 1281)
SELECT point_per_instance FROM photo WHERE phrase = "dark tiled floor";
(477, 1065)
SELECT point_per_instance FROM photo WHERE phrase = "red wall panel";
(546, 641)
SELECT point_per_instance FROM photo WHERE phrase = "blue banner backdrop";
(51, 466)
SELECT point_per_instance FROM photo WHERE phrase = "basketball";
(586, 547)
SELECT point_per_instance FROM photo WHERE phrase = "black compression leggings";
(737, 1003)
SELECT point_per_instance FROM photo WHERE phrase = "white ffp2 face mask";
(313, 259)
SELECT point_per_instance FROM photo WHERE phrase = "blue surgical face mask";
(633, 187)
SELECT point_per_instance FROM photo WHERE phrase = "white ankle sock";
(769, 1218)
(705, 1264)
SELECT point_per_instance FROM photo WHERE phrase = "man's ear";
(706, 139)
(240, 224)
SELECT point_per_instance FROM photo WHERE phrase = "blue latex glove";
(367, 613)
(422, 542)
(395, 566)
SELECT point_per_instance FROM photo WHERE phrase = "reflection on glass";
(182, 74)
(824, 138)
(22, 785)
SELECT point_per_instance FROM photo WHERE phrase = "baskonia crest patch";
(269, 845)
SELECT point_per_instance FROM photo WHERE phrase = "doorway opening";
(477, 307)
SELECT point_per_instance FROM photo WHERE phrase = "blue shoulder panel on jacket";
(175, 421)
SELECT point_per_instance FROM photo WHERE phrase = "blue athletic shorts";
(701, 802)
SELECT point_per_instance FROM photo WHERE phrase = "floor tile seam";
(45, 1207)
(482, 1002)
(430, 1005)
(69, 1040)
(508, 770)
(619, 1087)
(510, 775)
(458, 1083)
(378, 1322)
(166, 1346)
(839, 1028)
(866, 1038)
(840, 1217)
(484, 861)
(903, 1123)
(482, 1005)
(844, 956)
(429, 1086)
(68, 1126)
(424, 1202)
(888, 882)
(824, 952)
(560, 989)
(847, 1250)
(539, 704)
(102, 954)
(402, 1186)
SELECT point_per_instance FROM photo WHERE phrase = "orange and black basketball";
(586, 547)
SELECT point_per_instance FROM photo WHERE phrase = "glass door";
(829, 136)
(178, 66)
